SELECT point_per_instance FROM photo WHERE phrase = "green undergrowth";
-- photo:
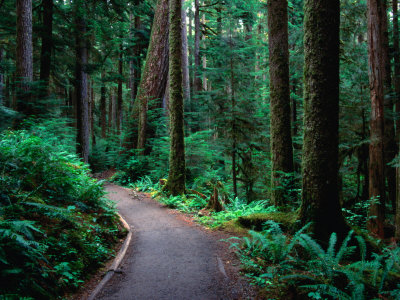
(56, 227)
(298, 267)
(234, 209)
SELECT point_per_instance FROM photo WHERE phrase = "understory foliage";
(298, 266)
(56, 227)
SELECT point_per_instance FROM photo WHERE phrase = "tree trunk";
(47, 46)
(185, 59)
(197, 33)
(396, 80)
(110, 109)
(281, 139)
(376, 81)
(2, 102)
(24, 58)
(390, 147)
(320, 199)
(81, 86)
(190, 49)
(103, 111)
(119, 93)
(176, 176)
(152, 85)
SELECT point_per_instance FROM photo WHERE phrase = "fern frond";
(328, 290)
(363, 247)
(343, 248)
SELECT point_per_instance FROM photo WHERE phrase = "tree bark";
(110, 109)
(81, 86)
(176, 176)
(320, 199)
(155, 73)
(103, 112)
(24, 58)
(281, 139)
(47, 46)
(119, 93)
(197, 33)
(185, 59)
(396, 80)
(390, 147)
(376, 82)
(2, 102)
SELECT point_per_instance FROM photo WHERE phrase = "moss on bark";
(320, 199)
(281, 139)
(176, 177)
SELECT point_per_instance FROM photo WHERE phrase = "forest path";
(170, 257)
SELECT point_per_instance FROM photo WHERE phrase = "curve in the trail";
(167, 259)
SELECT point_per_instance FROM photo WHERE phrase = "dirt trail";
(169, 256)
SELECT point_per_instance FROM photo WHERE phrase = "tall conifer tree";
(281, 139)
(320, 199)
(176, 177)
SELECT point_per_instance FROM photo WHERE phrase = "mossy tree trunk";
(155, 73)
(320, 200)
(81, 83)
(24, 58)
(176, 176)
(376, 82)
(396, 81)
(281, 139)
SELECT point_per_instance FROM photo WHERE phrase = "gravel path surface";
(169, 257)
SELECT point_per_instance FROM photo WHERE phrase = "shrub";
(55, 224)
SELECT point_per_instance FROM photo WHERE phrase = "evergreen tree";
(176, 176)
(320, 192)
(376, 81)
(281, 140)
(24, 58)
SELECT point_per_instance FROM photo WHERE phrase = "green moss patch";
(256, 221)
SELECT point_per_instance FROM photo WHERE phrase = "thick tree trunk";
(376, 81)
(81, 86)
(24, 58)
(281, 139)
(390, 147)
(396, 80)
(197, 33)
(47, 46)
(320, 200)
(155, 73)
(176, 176)
(185, 59)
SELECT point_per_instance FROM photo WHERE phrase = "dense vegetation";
(246, 113)
(56, 227)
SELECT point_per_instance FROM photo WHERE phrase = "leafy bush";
(55, 224)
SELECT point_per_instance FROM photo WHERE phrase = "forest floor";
(172, 257)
